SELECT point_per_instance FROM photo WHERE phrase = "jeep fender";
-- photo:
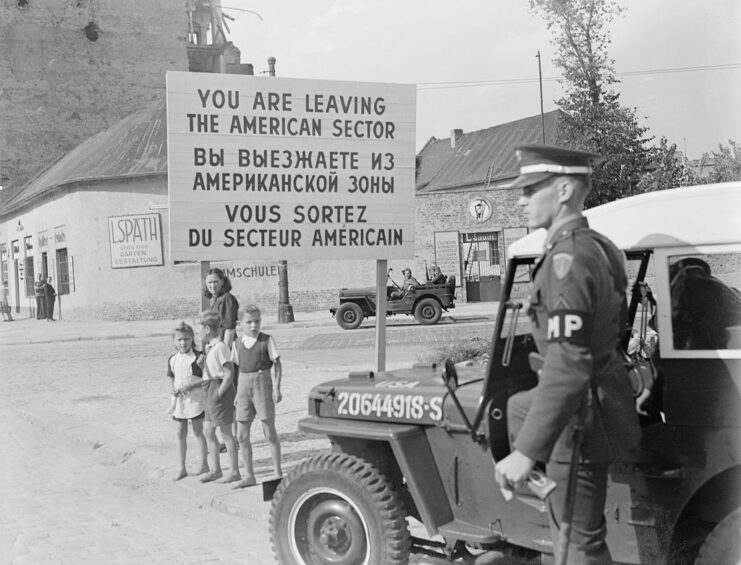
(413, 455)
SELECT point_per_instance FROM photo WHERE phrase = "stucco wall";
(59, 88)
(99, 291)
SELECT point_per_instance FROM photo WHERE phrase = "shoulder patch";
(562, 264)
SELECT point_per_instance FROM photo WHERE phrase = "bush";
(475, 349)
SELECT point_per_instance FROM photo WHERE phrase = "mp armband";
(570, 326)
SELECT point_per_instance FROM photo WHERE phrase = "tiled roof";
(478, 155)
(134, 146)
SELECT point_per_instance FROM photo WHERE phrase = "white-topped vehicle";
(422, 442)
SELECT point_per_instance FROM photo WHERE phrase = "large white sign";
(135, 240)
(276, 168)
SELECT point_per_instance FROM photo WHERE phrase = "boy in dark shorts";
(187, 395)
(218, 376)
(255, 354)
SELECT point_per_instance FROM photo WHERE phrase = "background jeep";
(422, 443)
(426, 302)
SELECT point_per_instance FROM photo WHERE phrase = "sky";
(445, 46)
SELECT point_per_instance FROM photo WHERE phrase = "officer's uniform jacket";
(578, 312)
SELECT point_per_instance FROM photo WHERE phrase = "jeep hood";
(359, 291)
(417, 395)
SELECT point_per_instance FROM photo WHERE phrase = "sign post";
(291, 169)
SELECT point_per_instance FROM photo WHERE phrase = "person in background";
(223, 303)
(4, 306)
(39, 292)
(409, 283)
(218, 290)
(50, 295)
(187, 396)
(255, 354)
(218, 376)
(436, 275)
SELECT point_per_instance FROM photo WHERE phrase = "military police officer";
(578, 313)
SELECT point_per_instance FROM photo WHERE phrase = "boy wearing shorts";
(255, 353)
(218, 376)
(187, 395)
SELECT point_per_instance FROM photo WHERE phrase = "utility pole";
(540, 81)
(285, 310)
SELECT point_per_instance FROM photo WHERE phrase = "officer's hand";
(277, 396)
(513, 470)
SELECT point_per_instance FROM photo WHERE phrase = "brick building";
(466, 216)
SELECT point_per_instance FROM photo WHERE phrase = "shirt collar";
(564, 225)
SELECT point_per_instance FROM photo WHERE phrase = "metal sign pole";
(381, 278)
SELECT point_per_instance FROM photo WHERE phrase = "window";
(4, 273)
(705, 300)
(29, 275)
(62, 271)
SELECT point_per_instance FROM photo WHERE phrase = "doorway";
(482, 266)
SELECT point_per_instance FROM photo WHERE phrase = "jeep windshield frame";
(500, 348)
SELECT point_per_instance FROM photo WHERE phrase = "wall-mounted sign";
(43, 240)
(479, 209)
(238, 271)
(136, 241)
(60, 236)
(269, 167)
(479, 236)
(448, 253)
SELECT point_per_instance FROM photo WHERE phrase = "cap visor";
(530, 179)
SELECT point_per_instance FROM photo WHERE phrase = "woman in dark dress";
(217, 288)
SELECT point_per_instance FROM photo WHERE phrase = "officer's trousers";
(588, 528)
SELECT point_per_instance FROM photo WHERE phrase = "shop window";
(706, 301)
(63, 270)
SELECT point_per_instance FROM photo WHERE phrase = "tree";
(668, 169)
(724, 165)
(593, 119)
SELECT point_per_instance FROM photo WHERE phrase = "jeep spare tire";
(338, 509)
(428, 311)
(349, 316)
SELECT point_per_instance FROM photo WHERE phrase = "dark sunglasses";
(528, 191)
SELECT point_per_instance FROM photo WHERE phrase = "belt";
(261, 371)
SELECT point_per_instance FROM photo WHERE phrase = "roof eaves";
(15, 206)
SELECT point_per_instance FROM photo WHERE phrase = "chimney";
(271, 66)
(455, 135)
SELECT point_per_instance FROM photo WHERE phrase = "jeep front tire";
(723, 545)
(338, 509)
(349, 316)
(428, 311)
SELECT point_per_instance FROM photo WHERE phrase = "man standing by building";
(39, 292)
(577, 307)
(50, 296)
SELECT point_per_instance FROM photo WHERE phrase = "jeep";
(426, 302)
(422, 442)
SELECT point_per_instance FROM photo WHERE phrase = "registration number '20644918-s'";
(399, 406)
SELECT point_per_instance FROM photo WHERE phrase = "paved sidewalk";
(31, 330)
